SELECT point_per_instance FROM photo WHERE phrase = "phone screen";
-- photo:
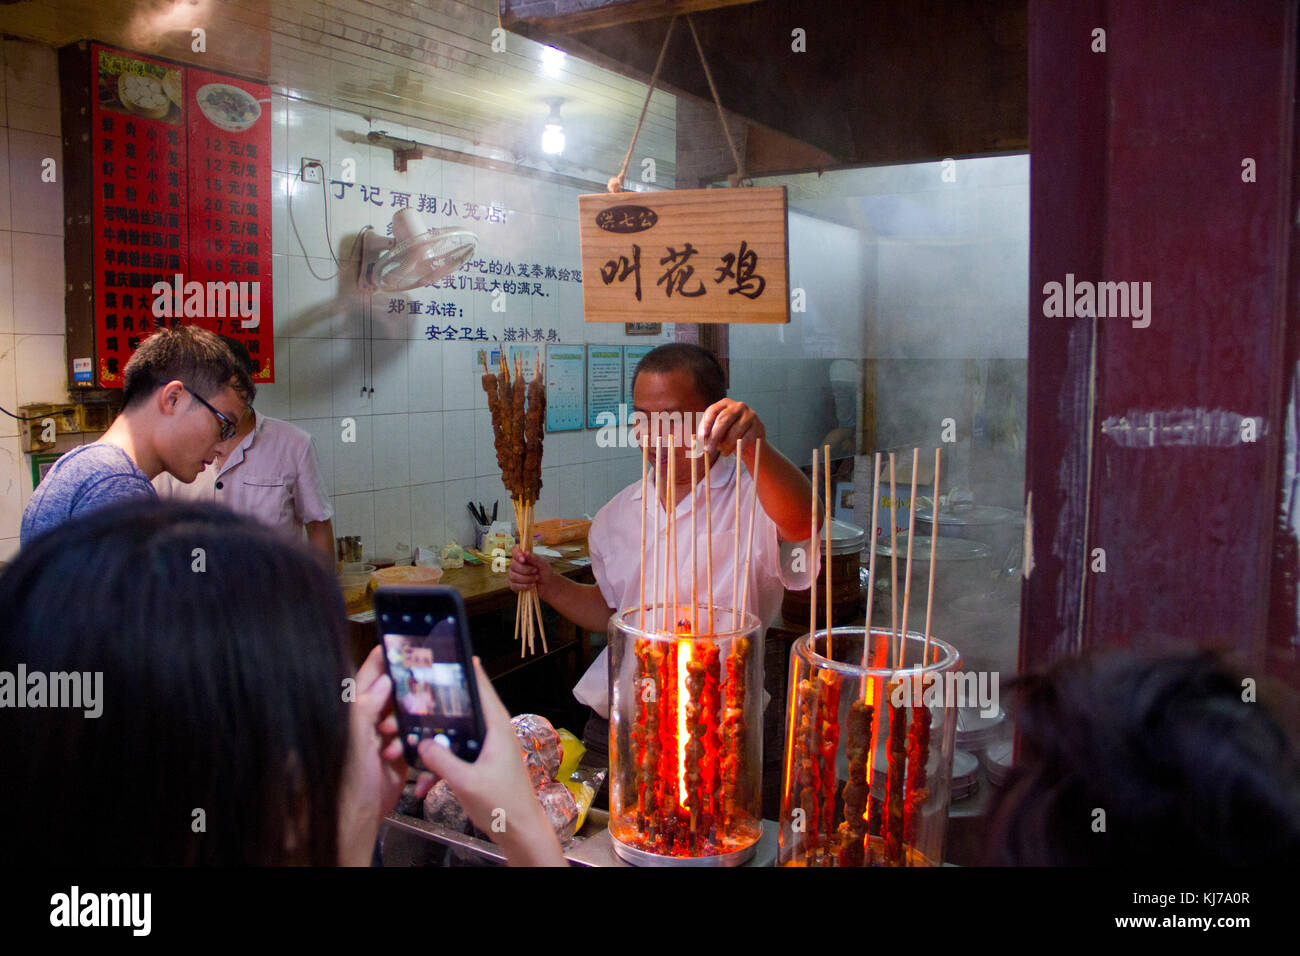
(425, 652)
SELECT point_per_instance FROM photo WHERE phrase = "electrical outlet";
(312, 171)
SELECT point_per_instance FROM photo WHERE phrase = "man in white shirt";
(687, 380)
(268, 471)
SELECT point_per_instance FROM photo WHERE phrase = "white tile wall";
(38, 293)
(31, 74)
(36, 205)
(6, 281)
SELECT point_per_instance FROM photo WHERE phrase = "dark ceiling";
(880, 80)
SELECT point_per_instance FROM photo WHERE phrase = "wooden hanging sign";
(688, 255)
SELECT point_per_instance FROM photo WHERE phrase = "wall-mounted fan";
(415, 256)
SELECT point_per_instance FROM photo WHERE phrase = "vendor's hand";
(726, 421)
(529, 571)
(494, 789)
(375, 770)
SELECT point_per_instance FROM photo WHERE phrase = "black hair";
(1186, 771)
(222, 688)
(240, 351)
(704, 368)
(189, 354)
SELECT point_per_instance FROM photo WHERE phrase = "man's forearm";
(583, 604)
(320, 535)
(784, 492)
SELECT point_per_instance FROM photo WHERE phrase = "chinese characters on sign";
(710, 255)
(421, 202)
(230, 201)
(138, 152)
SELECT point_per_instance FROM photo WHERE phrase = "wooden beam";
(578, 16)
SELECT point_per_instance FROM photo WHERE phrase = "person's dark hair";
(240, 351)
(703, 366)
(223, 672)
(189, 354)
(1187, 773)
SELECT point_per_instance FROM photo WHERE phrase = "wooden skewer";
(812, 558)
(672, 525)
(934, 537)
(826, 479)
(871, 569)
(753, 508)
(695, 603)
(654, 556)
(911, 533)
(645, 461)
(735, 543)
(893, 560)
(708, 535)
(537, 601)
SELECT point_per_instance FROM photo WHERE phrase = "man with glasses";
(267, 469)
(183, 395)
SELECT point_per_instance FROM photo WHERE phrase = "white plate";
(219, 119)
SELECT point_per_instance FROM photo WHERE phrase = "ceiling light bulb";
(552, 61)
(553, 138)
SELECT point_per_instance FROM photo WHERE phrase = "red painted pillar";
(1155, 441)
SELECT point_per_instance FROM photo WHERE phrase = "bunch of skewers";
(518, 428)
(871, 830)
(698, 720)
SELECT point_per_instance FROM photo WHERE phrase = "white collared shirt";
(272, 475)
(615, 539)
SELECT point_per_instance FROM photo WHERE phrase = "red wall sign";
(182, 186)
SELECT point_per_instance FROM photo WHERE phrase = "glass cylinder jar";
(686, 735)
(869, 738)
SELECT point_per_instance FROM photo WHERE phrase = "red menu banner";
(182, 207)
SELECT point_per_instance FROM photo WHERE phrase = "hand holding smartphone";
(425, 637)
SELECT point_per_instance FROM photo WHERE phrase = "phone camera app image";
(428, 679)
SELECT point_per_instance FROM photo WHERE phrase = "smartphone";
(425, 636)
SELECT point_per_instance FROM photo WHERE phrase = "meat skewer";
(829, 741)
(918, 754)
(733, 723)
(853, 831)
(892, 830)
(809, 779)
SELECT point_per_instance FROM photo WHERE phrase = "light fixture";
(553, 131)
(552, 61)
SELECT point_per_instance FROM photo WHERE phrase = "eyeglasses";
(228, 428)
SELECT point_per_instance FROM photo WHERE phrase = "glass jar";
(686, 735)
(867, 775)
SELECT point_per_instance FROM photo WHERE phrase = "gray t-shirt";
(84, 479)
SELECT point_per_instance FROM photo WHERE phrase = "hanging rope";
(708, 75)
(615, 184)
